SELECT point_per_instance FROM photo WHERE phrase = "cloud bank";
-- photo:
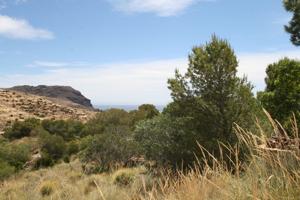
(134, 83)
(159, 7)
(21, 29)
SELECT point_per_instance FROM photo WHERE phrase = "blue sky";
(123, 51)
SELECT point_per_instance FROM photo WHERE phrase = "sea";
(126, 107)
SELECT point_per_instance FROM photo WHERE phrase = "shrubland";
(213, 141)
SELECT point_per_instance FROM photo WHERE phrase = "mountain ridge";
(65, 93)
(18, 106)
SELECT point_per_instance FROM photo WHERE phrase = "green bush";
(124, 178)
(18, 155)
(281, 97)
(52, 145)
(107, 120)
(144, 112)
(164, 140)
(72, 148)
(21, 129)
(6, 170)
(14, 155)
(109, 150)
(85, 142)
(45, 161)
(69, 129)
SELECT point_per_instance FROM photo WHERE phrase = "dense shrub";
(18, 155)
(52, 145)
(84, 142)
(12, 158)
(164, 140)
(15, 155)
(144, 112)
(107, 120)
(45, 161)
(6, 170)
(110, 149)
(69, 129)
(21, 129)
(72, 148)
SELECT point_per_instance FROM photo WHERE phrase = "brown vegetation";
(16, 106)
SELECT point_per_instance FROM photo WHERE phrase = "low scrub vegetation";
(213, 141)
(267, 174)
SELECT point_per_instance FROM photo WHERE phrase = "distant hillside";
(16, 106)
(64, 93)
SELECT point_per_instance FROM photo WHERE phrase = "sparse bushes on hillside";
(270, 174)
(21, 129)
(57, 139)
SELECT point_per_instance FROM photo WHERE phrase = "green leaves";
(211, 77)
(293, 27)
(207, 100)
(282, 95)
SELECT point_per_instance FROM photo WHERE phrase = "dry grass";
(268, 174)
(66, 181)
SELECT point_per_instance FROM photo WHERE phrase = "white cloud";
(160, 7)
(47, 64)
(21, 29)
(139, 82)
(117, 83)
(57, 65)
(254, 65)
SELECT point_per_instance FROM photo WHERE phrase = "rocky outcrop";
(65, 93)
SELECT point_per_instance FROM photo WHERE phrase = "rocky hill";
(64, 93)
(15, 105)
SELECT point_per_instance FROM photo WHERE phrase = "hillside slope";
(65, 93)
(19, 106)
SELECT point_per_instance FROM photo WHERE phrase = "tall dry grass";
(266, 173)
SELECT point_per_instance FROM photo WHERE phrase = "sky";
(121, 52)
